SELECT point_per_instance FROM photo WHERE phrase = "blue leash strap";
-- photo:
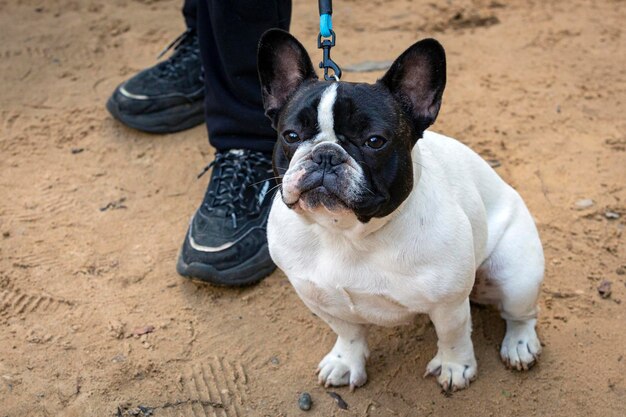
(326, 31)
(326, 25)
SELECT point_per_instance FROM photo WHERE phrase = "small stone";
(145, 411)
(611, 215)
(117, 329)
(494, 163)
(340, 401)
(304, 402)
(604, 289)
(140, 331)
(119, 358)
(621, 270)
(583, 204)
(77, 150)
(274, 360)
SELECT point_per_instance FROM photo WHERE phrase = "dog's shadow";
(408, 349)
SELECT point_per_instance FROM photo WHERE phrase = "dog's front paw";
(450, 375)
(520, 347)
(343, 367)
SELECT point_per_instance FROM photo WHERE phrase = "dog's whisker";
(273, 188)
(417, 163)
(265, 180)
(367, 189)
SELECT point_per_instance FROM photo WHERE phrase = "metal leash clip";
(326, 31)
(328, 63)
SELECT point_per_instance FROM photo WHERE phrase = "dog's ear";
(283, 65)
(417, 79)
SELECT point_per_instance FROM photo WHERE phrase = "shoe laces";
(237, 173)
(185, 48)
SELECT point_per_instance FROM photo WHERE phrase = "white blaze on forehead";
(325, 118)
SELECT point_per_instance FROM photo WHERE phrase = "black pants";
(229, 31)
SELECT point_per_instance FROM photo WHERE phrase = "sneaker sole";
(171, 120)
(250, 272)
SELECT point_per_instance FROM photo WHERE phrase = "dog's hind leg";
(515, 268)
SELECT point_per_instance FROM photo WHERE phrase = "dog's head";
(347, 146)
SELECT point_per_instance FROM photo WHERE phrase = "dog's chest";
(351, 287)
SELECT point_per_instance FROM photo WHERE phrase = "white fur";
(460, 219)
(325, 118)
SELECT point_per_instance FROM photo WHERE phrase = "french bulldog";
(378, 219)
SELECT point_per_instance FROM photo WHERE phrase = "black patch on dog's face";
(398, 108)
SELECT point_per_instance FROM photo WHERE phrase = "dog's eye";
(291, 137)
(376, 142)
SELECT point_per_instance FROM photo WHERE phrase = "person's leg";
(229, 36)
(226, 243)
(190, 13)
(169, 96)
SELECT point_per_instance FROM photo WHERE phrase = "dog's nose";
(328, 154)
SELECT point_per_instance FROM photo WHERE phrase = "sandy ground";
(92, 215)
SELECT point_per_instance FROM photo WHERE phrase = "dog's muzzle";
(327, 176)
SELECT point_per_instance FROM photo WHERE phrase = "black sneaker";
(226, 243)
(167, 97)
